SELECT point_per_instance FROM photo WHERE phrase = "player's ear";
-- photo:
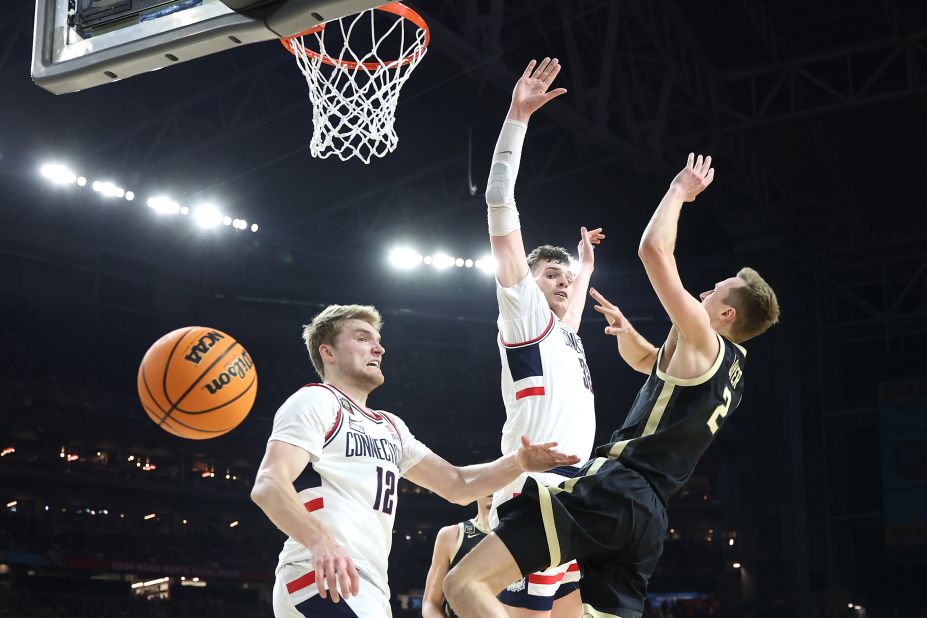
(326, 351)
(729, 315)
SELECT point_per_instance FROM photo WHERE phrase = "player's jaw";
(556, 282)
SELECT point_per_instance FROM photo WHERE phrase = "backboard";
(79, 44)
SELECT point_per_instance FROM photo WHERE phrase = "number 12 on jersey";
(386, 489)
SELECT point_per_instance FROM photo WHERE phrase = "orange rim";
(396, 8)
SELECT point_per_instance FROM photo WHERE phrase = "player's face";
(556, 282)
(713, 300)
(358, 353)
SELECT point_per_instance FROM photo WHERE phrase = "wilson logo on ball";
(239, 369)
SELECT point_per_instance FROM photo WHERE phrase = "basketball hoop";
(354, 94)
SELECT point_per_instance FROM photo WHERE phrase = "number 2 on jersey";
(720, 412)
(386, 488)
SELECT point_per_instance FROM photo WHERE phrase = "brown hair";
(325, 327)
(756, 305)
(549, 252)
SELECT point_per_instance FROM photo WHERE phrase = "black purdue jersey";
(673, 421)
(468, 536)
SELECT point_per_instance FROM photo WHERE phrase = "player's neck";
(357, 393)
(482, 522)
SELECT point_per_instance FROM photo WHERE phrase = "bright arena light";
(459, 262)
(130, 195)
(428, 259)
(405, 258)
(226, 220)
(487, 264)
(163, 205)
(58, 173)
(442, 261)
(81, 181)
(468, 263)
(207, 216)
(254, 227)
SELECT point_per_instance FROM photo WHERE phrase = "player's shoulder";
(448, 535)
(314, 396)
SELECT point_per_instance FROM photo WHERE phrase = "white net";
(354, 94)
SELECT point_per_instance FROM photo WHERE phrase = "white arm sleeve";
(500, 188)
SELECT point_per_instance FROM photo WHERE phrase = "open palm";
(531, 91)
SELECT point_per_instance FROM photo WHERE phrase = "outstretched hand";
(531, 91)
(617, 323)
(542, 457)
(334, 570)
(694, 178)
(587, 242)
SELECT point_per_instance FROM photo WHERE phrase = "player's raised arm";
(530, 94)
(433, 597)
(656, 252)
(636, 351)
(463, 485)
(585, 256)
(273, 491)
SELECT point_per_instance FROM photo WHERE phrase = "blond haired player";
(546, 385)
(329, 476)
(612, 515)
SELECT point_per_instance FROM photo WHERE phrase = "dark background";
(815, 113)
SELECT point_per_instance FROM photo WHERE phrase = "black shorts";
(607, 518)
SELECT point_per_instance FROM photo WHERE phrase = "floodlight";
(487, 264)
(130, 195)
(163, 205)
(469, 263)
(442, 261)
(459, 262)
(226, 220)
(405, 258)
(81, 181)
(207, 216)
(58, 174)
(254, 227)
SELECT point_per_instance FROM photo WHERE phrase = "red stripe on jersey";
(573, 568)
(534, 578)
(335, 426)
(535, 340)
(315, 505)
(301, 582)
(534, 391)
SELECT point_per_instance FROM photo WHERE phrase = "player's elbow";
(263, 489)
(650, 250)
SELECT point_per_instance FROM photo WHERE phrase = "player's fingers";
(553, 94)
(707, 166)
(529, 68)
(710, 176)
(320, 578)
(698, 164)
(344, 582)
(539, 71)
(525, 442)
(354, 577)
(552, 71)
(333, 581)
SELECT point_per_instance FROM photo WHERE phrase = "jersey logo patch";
(517, 586)
(345, 405)
(355, 426)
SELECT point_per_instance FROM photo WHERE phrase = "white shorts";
(296, 596)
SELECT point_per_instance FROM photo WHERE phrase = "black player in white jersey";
(451, 544)
(611, 517)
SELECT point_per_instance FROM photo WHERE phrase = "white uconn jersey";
(357, 457)
(546, 386)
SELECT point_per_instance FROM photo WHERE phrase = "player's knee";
(455, 584)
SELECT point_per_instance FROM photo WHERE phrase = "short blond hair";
(325, 327)
(756, 304)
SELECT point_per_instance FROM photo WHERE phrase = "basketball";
(197, 382)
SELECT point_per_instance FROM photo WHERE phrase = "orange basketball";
(197, 382)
